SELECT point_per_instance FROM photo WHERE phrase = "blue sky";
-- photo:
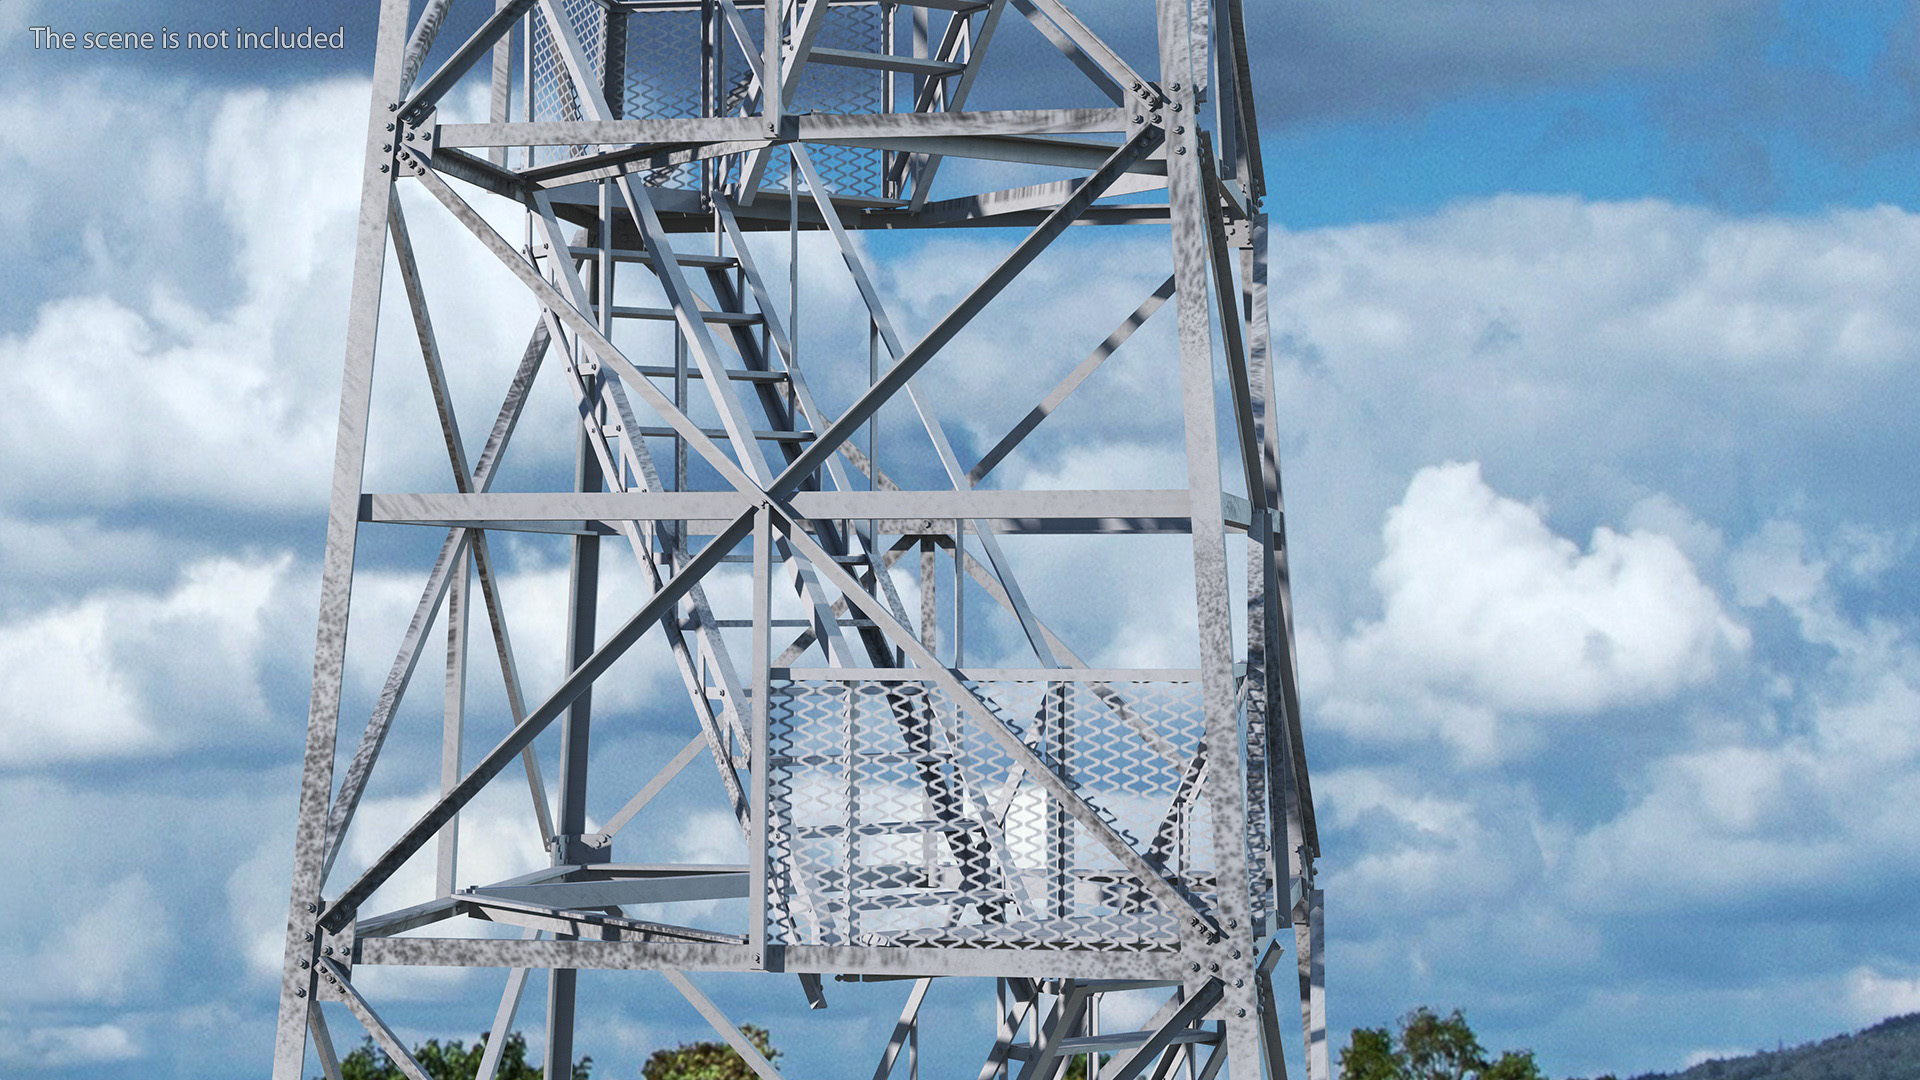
(1599, 345)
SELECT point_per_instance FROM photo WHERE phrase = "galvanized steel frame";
(604, 191)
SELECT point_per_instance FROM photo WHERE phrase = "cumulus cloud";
(1571, 346)
(1485, 611)
(124, 672)
(1600, 354)
(77, 966)
(211, 377)
(1790, 802)
(185, 382)
(1874, 995)
(65, 1045)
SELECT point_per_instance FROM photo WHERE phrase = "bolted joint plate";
(414, 139)
(326, 985)
(1145, 104)
(581, 850)
(342, 946)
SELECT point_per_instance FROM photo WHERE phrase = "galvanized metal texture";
(1061, 831)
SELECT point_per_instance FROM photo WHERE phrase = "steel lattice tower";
(1062, 830)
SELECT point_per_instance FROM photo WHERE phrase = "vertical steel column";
(453, 723)
(1189, 202)
(297, 979)
(582, 608)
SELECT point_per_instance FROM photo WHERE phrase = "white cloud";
(1874, 995)
(64, 1045)
(104, 948)
(1568, 345)
(125, 672)
(183, 387)
(1786, 804)
(1487, 611)
(1574, 348)
(1425, 851)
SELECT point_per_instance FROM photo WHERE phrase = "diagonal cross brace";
(342, 910)
(458, 540)
(828, 442)
(935, 433)
(331, 971)
(581, 324)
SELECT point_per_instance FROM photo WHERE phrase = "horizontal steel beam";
(1024, 149)
(794, 959)
(1041, 506)
(663, 888)
(1052, 675)
(804, 127)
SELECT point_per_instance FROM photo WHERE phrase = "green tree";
(710, 1060)
(453, 1060)
(1077, 1067)
(1371, 1055)
(1429, 1046)
(1439, 1048)
(1514, 1065)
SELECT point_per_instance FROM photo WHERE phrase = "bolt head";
(1239, 1012)
(1139, 119)
(303, 965)
(389, 168)
(1177, 150)
(1175, 88)
(1195, 965)
(389, 127)
(300, 991)
(312, 907)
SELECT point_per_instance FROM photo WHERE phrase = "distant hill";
(1889, 1050)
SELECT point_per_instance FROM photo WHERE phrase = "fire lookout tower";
(928, 781)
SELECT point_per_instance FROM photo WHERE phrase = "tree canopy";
(454, 1060)
(710, 1060)
(1428, 1046)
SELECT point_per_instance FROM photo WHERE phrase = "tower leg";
(336, 576)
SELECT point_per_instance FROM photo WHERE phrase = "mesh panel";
(554, 97)
(823, 88)
(661, 61)
(896, 819)
(663, 77)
